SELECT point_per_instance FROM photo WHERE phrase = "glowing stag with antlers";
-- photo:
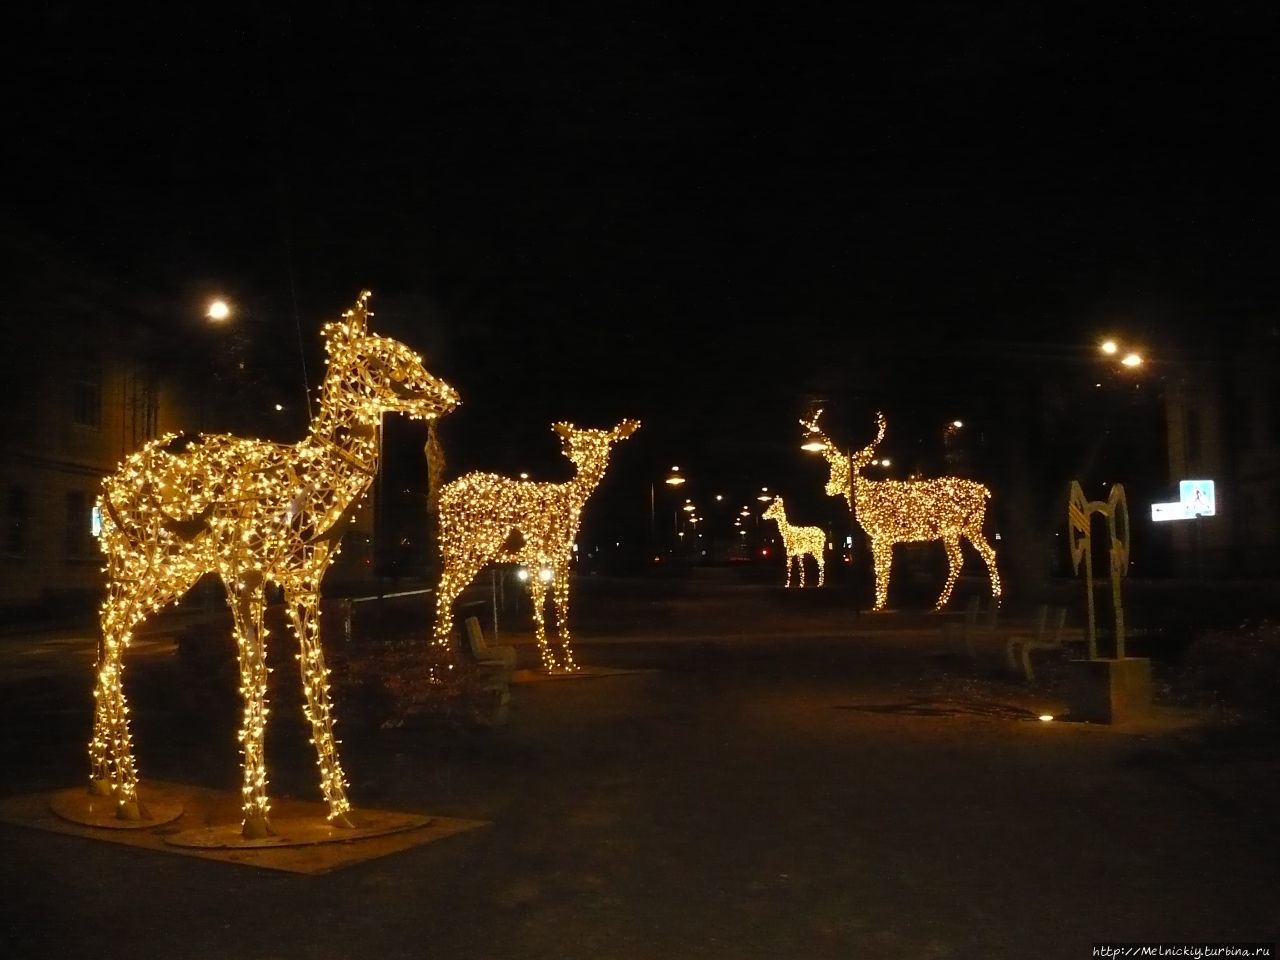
(487, 518)
(911, 511)
(798, 541)
(251, 512)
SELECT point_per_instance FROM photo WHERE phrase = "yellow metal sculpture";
(1080, 513)
(251, 512)
(487, 518)
(797, 542)
(907, 511)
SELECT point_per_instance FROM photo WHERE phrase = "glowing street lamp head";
(675, 479)
(218, 311)
(1131, 360)
(1109, 347)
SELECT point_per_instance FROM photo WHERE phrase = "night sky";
(708, 219)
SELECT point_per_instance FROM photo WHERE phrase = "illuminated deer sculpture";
(798, 541)
(251, 512)
(487, 518)
(911, 511)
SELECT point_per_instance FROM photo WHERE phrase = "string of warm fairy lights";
(252, 512)
(487, 518)
(797, 542)
(907, 511)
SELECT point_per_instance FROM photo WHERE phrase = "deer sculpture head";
(844, 466)
(584, 445)
(775, 511)
(370, 375)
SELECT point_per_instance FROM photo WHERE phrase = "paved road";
(787, 780)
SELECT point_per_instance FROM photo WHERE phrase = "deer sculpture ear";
(625, 429)
(565, 430)
(357, 318)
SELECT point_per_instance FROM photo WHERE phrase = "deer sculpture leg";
(882, 561)
(538, 595)
(304, 615)
(560, 600)
(988, 554)
(247, 604)
(112, 772)
(822, 568)
(800, 568)
(955, 560)
(457, 573)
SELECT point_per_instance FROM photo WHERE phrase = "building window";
(86, 398)
(78, 524)
(17, 521)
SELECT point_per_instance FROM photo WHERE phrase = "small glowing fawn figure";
(798, 541)
(487, 518)
(910, 511)
(251, 512)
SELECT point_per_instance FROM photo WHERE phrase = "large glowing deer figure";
(798, 541)
(487, 518)
(251, 512)
(911, 511)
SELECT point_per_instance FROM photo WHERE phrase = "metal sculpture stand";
(1103, 689)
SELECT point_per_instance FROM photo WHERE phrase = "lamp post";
(673, 479)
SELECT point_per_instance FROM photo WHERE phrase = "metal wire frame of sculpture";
(1080, 514)
(798, 542)
(907, 511)
(488, 518)
(252, 512)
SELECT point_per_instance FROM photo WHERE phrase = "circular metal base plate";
(298, 832)
(78, 805)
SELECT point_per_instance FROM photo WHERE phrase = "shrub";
(1239, 669)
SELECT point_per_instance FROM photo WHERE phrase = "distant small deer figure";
(911, 511)
(251, 512)
(487, 518)
(798, 541)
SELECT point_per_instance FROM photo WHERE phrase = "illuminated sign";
(1195, 499)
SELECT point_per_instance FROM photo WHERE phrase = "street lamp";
(673, 479)
(218, 310)
(1131, 358)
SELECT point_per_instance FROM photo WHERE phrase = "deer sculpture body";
(798, 542)
(251, 512)
(487, 518)
(910, 511)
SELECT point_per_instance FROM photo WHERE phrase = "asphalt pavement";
(759, 774)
